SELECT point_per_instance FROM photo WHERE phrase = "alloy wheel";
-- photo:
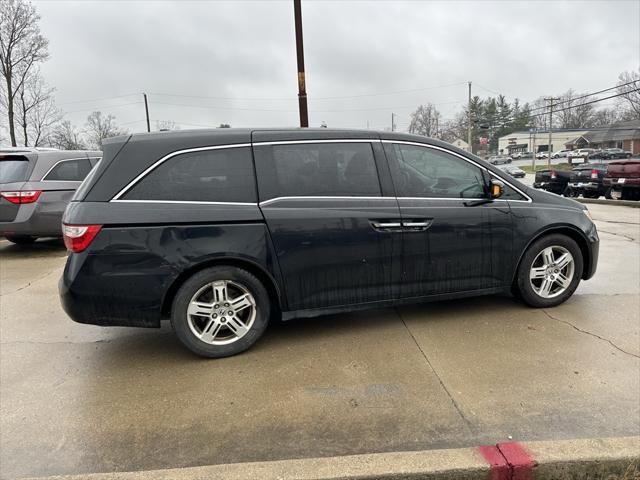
(221, 312)
(552, 271)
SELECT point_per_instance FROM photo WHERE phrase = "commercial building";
(537, 141)
(625, 135)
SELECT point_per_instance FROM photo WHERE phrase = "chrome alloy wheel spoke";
(221, 312)
(552, 271)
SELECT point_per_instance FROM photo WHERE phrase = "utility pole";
(469, 127)
(393, 126)
(302, 89)
(146, 111)
(550, 99)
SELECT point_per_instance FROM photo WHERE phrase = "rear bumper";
(34, 219)
(589, 186)
(615, 182)
(122, 300)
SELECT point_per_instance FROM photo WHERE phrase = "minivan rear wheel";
(220, 311)
(550, 271)
(21, 239)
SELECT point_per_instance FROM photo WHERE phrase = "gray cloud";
(245, 52)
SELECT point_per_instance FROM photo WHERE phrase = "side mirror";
(497, 189)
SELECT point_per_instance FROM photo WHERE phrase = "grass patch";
(543, 166)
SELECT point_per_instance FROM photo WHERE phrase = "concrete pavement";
(77, 399)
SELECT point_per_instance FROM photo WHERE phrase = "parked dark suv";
(223, 230)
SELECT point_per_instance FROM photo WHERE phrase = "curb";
(604, 458)
(620, 203)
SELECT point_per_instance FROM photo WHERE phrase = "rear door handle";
(416, 225)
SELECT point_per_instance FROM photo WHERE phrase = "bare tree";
(630, 94)
(167, 125)
(574, 111)
(36, 110)
(66, 137)
(21, 48)
(101, 126)
(424, 121)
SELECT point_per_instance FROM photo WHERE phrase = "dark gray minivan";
(222, 230)
(35, 187)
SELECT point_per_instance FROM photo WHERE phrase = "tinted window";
(13, 170)
(318, 169)
(69, 170)
(224, 175)
(427, 172)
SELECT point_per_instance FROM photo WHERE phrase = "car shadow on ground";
(161, 347)
(40, 248)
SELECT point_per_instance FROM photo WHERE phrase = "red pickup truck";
(623, 179)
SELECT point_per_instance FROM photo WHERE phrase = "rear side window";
(69, 171)
(317, 169)
(13, 170)
(224, 175)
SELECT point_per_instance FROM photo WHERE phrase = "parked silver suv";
(35, 187)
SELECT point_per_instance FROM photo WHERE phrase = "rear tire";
(21, 239)
(562, 280)
(590, 194)
(220, 311)
(607, 194)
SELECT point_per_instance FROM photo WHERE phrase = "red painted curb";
(519, 460)
(508, 461)
(500, 469)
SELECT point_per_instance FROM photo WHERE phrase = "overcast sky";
(210, 62)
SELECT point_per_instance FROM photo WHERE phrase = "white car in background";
(560, 154)
(541, 155)
(580, 154)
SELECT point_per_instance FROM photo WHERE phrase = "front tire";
(21, 239)
(220, 311)
(550, 271)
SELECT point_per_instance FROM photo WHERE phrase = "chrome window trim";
(123, 191)
(186, 202)
(58, 163)
(332, 140)
(323, 197)
(435, 147)
(159, 162)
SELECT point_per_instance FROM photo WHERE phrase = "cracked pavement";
(79, 398)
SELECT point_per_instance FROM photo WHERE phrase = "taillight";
(21, 196)
(554, 174)
(78, 237)
(594, 174)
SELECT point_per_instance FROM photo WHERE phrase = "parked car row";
(618, 179)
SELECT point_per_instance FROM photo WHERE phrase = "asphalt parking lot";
(77, 398)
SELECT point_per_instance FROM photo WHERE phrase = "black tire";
(590, 194)
(526, 291)
(607, 194)
(21, 239)
(199, 280)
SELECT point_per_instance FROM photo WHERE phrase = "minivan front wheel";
(550, 271)
(220, 311)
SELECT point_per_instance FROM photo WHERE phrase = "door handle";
(416, 225)
(386, 225)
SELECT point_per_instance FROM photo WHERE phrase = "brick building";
(625, 135)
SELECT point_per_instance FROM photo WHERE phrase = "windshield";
(13, 170)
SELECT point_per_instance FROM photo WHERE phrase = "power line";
(106, 107)
(98, 99)
(313, 98)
